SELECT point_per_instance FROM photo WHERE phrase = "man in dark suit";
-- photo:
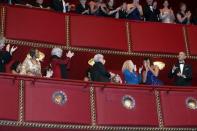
(98, 71)
(82, 7)
(5, 56)
(151, 12)
(58, 65)
(181, 71)
(60, 5)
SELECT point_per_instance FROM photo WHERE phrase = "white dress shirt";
(64, 6)
(181, 68)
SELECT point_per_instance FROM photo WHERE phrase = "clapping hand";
(174, 68)
(140, 70)
(188, 14)
(49, 73)
(112, 74)
(135, 68)
(181, 75)
(70, 54)
(13, 49)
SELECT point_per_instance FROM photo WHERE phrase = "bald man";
(181, 71)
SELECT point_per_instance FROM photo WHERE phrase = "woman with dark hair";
(98, 8)
(183, 16)
(167, 14)
(151, 73)
(122, 12)
(16, 67)
(135, 11)
(31, 65)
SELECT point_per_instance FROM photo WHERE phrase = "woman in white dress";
(167, 14)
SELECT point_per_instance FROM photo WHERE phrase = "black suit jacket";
(80, 9)
(4, 59)
(150, 15)
(99, 73)
(180, 81)
(58, 6)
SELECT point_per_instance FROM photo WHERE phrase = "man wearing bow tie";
(151, 12)
(181, 71)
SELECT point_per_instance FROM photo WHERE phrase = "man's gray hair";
(57, 52)
(98, 57)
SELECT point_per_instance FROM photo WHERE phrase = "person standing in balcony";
(83, 8)
(129, 72)
(167, 14)
(151, 12)
(98, 8)
(31, 66)
(5, 56)
(112, 12)
(151, 73)
(58, 65)
(181, 71)
(61, 6)
(122, 13)
(183, 16)
(135, 11)
(98, 71)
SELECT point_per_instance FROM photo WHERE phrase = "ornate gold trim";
(186, 40)
(128, 36)
(159, 111)
(51, 45)
(92, 106)
(21, 101)
(2, 27)
(67, 31)
(86, 127)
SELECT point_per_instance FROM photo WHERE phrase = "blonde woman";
(129, 72)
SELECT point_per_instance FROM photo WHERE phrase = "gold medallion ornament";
(128, 102)
(191, 103)
(59, 98)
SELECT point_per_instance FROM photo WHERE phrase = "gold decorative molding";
(92, 106)
(111, 52)
(159, 111)
(87, 127)
(128, 36)
(21, 101)
(186, 40)
(2, 26)
(67, 18)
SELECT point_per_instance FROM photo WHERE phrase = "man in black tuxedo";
(98, 72)
(151, 12)
(181, 71)
(5, 56)
(82, 7)
(60, 5)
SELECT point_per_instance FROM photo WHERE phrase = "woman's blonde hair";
(128, 64)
